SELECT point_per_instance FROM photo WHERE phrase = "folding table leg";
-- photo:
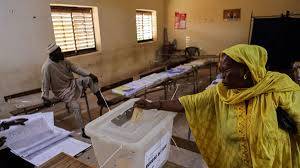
(165, 91)
(87, 106)
(101, 109)
(189, 134)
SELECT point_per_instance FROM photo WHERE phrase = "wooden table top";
(63, 160)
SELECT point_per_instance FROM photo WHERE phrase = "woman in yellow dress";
(235, 123)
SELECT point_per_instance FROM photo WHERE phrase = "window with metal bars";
(144, 26)
(73, 29)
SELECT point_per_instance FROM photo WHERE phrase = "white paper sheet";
(68, 145)
(39, 140)
(25, 136)
(57, 137)
(34, 136)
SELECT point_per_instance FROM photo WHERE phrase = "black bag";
(285, 122)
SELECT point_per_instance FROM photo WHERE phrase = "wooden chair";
(192, 52)
(83, 95)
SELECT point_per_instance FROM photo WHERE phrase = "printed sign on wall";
(180, 20)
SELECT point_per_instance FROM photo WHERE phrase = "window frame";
(70, 9)
(152, 28)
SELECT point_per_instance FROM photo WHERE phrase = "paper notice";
(158, 153)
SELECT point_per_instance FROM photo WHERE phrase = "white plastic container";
(141, 144)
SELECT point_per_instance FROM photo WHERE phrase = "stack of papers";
(138, 85)
(133, 87)
(122, 89)
(39, 140)
(33, 137)
(178, 71)
(216, 81)
(199, 62)
(153, 79)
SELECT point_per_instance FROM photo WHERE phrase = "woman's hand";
(167, 105)
(144, 104)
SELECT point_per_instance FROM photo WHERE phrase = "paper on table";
(39, 140)
(48, 116)
(141, 84)
(57, 136)
(199, 62)
(69, 146)
(34, 136)
(121, 89)
(20, 137)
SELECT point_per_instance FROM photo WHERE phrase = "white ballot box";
(122, 143)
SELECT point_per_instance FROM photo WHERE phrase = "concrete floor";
(179, 156)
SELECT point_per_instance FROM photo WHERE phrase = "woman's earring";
(245, 76)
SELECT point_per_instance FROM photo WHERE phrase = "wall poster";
(232, 14)
(180, 20)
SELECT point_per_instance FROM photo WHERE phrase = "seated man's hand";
(144, 104)
(94, 78)
(47, 102)
(2, 141)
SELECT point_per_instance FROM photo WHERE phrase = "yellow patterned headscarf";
(255, 57)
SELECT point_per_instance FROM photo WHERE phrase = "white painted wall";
(23, 42)
(206, 27)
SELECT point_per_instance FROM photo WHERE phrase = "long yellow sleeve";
(205, 121)
(290, 102)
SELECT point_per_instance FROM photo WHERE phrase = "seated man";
(57, 75)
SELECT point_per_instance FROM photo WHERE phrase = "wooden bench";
(39, 105)
(112, 98)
